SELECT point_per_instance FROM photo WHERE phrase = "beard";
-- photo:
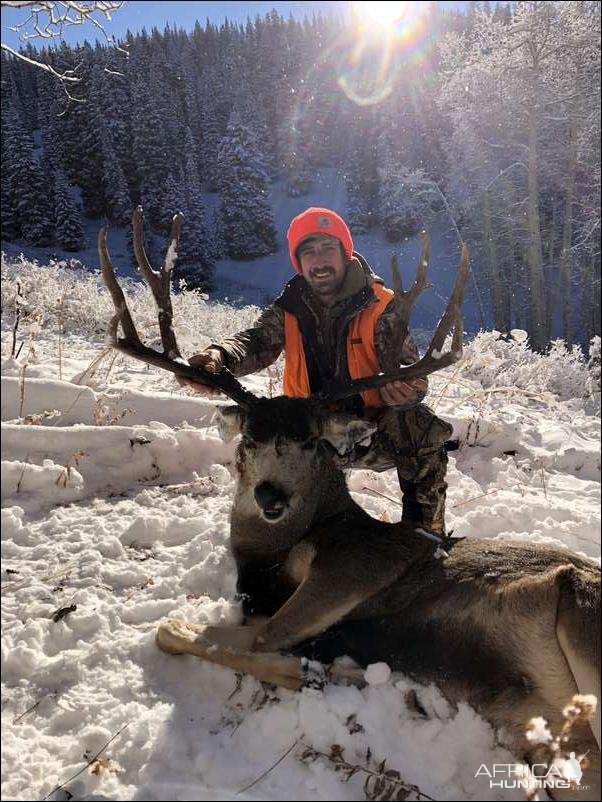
(324, 280)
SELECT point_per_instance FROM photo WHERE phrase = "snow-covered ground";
(116, 493)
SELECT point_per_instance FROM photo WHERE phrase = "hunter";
(336, 319)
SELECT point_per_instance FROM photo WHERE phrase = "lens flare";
(383, 47)
(389, 38)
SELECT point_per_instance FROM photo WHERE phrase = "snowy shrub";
(499, 361)
(77, 302)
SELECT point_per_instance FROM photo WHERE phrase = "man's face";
(323, 265)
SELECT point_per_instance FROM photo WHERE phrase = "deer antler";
(434, 358)
(409, 297)
(159, 282)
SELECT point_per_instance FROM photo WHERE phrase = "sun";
(381, 14)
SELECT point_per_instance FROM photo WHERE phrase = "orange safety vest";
(361, 353)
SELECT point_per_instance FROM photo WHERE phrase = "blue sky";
(137, 14)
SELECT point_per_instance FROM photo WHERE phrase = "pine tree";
(216, 240)
(150, 146)
(359, 210)
(195, 260)
(90, 168)
(246, 215)
(214, 118)
(171, 201)
(118, 202)
(297, 169)
(33, 215)
(8, 209)
(69, 233)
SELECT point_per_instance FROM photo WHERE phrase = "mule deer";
(511, 628)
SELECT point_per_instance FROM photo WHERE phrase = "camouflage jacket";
(324, 330)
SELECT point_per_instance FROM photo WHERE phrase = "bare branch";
(65, 76)
(49, 18)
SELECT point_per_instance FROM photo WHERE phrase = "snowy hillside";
(262, 279)
(116, 493)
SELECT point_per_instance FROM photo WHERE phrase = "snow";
(120, 506)
(377, 674)
(539, 732)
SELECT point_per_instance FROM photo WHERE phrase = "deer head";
(289, 449)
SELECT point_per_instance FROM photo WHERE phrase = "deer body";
(510, 628)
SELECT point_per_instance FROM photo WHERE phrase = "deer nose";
(271, 499)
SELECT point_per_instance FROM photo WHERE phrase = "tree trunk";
(537, 322)
(566, 259)
(591, 293)
(554, 280)
(493, 268)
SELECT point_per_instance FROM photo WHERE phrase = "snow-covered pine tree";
(212, 125)
(360, 175)
(89, 172)
(296, 165)
(359, 211)
(8, 209)
(195, 257)
(215, 232)
(117, 198)
(248, 223)
(26, 182)
(117, 132)
(172, 201)
(150, 149)
(69, 232)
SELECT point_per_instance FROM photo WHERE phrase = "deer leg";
(309, 611)
(178, 637)
(329, 588)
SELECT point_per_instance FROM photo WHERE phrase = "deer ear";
(344, 432)
(230, 421)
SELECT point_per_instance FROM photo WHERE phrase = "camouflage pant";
(413, 442)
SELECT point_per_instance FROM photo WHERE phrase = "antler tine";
(131, 344)
(144, 266)
(159, 281)
(397, 282)
(420, 282)
(452, 315)
(122, 312)
(433, 359)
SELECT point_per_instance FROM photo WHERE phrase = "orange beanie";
(316, 220)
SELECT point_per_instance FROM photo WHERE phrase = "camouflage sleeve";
(255, 348)
(394, 347)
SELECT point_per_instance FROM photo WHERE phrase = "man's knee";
(423, 428)
(429, 466)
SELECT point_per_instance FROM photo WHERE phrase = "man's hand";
(210, 360)
(400, 392)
